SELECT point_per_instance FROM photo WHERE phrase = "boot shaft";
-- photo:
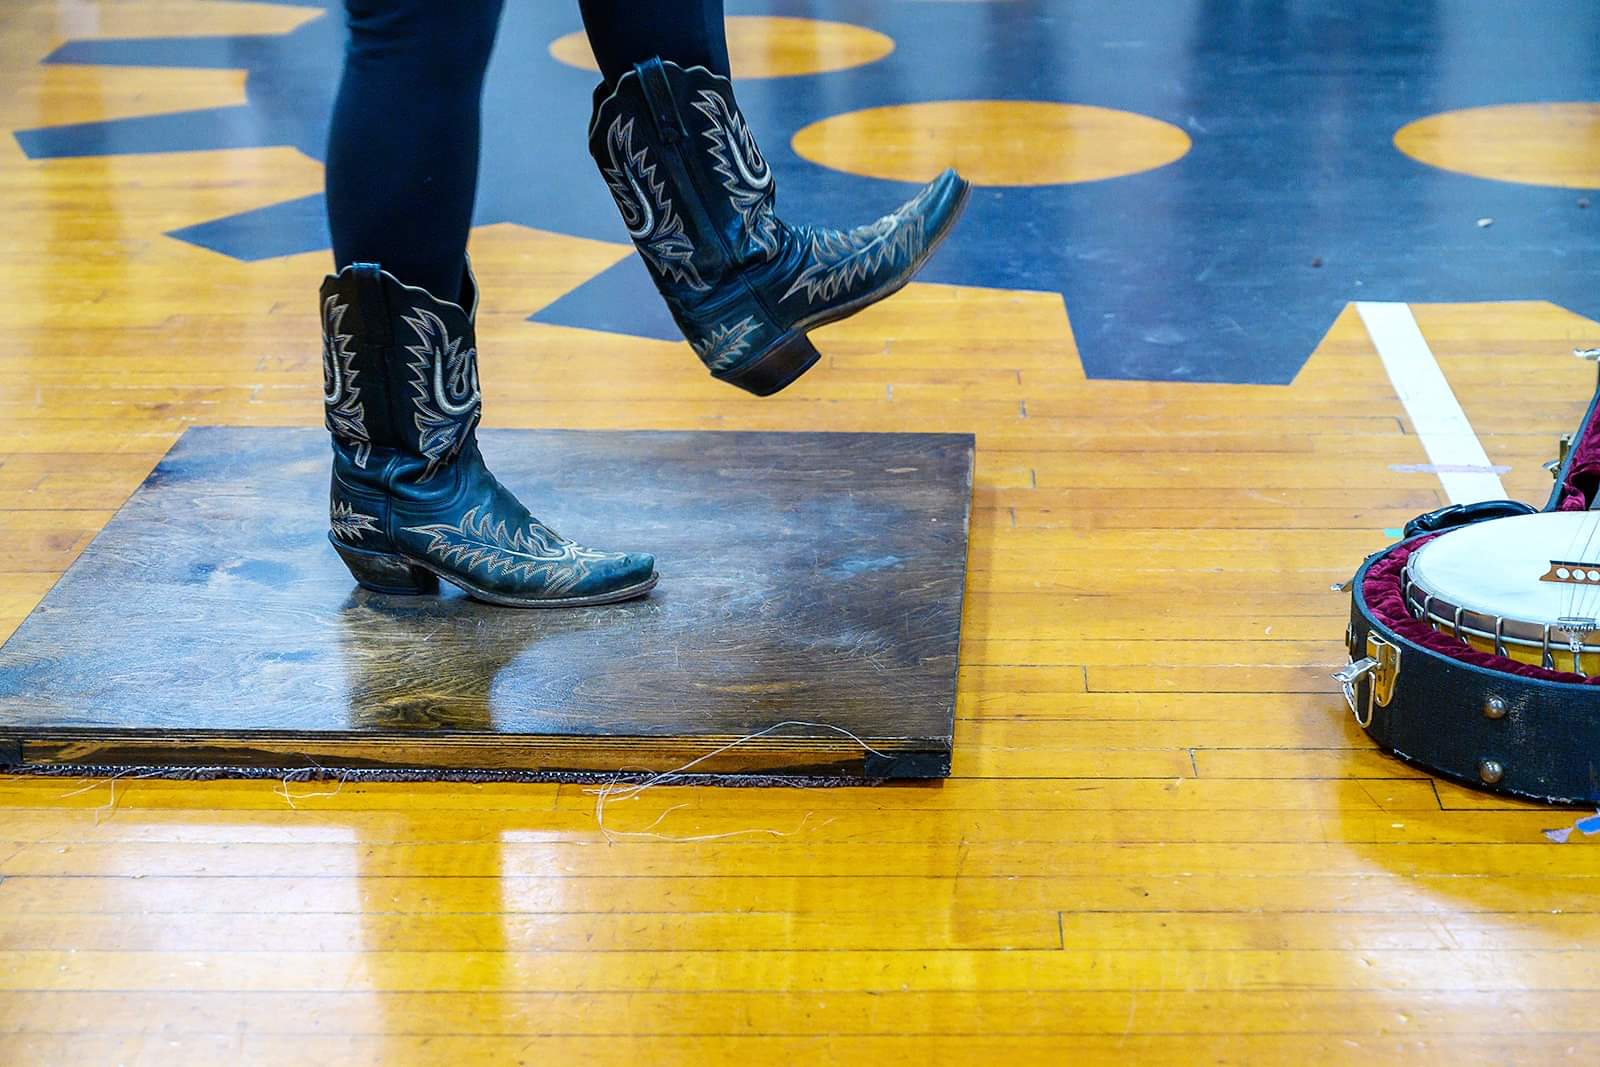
(399, 371)
(694, 190)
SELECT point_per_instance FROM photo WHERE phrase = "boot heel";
(385, 573)
(777, 367)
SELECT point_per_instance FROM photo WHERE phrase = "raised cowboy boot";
(411, 500)
(697, 199)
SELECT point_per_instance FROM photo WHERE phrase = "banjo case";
(1477, 718)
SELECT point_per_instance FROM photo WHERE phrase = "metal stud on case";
(1490, 771)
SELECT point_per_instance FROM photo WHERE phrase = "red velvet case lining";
(1384, 599)
(1583, 473)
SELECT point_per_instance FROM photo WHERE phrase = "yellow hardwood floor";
(1165, 841)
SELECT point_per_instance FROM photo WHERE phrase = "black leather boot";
(697, 198)
(411, 500)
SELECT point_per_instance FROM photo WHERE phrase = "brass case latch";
(1563, 450)
(1382, 665)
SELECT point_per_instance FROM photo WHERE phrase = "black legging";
(403, 146)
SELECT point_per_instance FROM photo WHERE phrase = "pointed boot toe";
(623, 577)
(943, 200)
(841, 272)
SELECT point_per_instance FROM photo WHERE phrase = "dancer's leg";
(403, 147)
(686, 32)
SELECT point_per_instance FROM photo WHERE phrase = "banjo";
(1525, 587)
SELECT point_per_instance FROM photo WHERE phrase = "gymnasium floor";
(1165, 840)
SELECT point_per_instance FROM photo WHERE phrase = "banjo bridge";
(1566, 572)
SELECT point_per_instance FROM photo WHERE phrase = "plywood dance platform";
(810, 594)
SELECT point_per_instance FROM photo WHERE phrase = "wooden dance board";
(810, 594)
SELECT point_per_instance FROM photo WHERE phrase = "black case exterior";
(1526, 737)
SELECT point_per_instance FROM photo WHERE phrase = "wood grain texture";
(807, 578)
(1148, 751)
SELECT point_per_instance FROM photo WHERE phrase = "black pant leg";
(686, 32)
(403, 146)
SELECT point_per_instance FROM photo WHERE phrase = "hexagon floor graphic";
(1226, 265)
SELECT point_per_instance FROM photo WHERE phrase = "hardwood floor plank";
(1398, 970)
(889, 1051)
(906, 1014)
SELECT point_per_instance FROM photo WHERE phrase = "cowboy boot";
(697, 199)
(411, 500)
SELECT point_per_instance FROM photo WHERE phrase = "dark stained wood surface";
(811, 577)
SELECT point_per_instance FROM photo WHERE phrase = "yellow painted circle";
(1536, 144)
(993, 142)
(770, 46)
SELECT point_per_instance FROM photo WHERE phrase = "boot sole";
(398, 574)
(793, 354)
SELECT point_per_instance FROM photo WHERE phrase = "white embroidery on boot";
(444, 386)
(341, 397)
(347, 523)
(532, 553)
(646, 209)
(726, 343)
(744, 171)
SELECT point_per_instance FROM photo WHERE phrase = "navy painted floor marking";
(1201, 270)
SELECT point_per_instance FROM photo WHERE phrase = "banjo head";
(1523, 587)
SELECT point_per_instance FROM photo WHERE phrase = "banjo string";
(1582, 598)
(1585, 599)
(1569, 600)
(1575, 549)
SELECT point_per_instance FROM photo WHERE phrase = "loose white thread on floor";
(110, 806)
(619, 789)
(282, 789)
(96, 784)
(316, 769)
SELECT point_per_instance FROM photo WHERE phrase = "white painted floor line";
(1454, 450)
